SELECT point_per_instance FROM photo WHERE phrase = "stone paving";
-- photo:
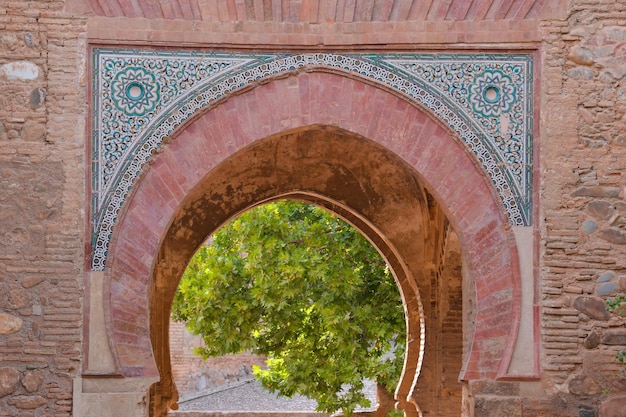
(248, 395)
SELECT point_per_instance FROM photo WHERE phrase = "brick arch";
(439, 161)
(324, 12)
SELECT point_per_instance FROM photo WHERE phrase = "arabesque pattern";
(142, 97)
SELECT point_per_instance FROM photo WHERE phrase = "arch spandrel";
(142, 97)
(214, 136)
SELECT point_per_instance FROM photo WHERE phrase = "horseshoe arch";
(344, 108)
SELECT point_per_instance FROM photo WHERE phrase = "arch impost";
(123, 397)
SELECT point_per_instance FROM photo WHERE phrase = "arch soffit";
(444, 165)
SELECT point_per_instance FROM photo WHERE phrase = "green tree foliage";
(293, 282)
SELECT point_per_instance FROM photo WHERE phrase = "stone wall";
(583, 156)
(191, 374)
(42, 206)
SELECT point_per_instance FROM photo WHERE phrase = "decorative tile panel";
(141, 96)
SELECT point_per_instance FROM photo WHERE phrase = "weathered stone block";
(14, 298)
(581, 73)
(28, 197)
(9, 41)
(613, 235)
(31, 281)
(19, 70)
(581, 55)
(594, 307)
(9, 380)
(502, 388)
(9, 324)
(37, 98)
(557, 406)
(32, 381)
(596, 191)
(590, 226)
(584, 385)
(606, 277)
(586, 412)
(616, 337)
(607, 288)
(620, 140)
(498, 407)
(619, 385)
(28, 402)
(614, 73)
(613, 407)
(34, 132)
(592, 340)
(601, 209)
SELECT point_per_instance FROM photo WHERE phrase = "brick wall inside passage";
(192, 374)
(450, 313)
